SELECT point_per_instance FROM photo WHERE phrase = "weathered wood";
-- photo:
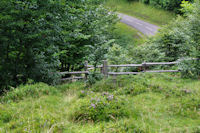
(91, 66)
(71, 78)
(161, 63)
(105, 68)
(162, 71)
(78, 72)
(114, 80)
(123, 73)
(144, 66)
(126, 65)
(86, 69)
(105, 71)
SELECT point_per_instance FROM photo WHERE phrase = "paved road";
(144, 27)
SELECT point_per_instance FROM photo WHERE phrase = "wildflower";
(98, 100)
(110, 97)
(93, 105)
(82, 91)
(92, 99)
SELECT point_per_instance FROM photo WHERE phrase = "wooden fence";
(105, 69)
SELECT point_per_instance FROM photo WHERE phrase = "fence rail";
(78, 72)
(105, 69)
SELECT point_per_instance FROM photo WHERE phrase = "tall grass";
(128, 36)
(141, 11)
(156, 103)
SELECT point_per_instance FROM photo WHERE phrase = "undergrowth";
(143, 103)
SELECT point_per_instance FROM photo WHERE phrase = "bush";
(94, 77)
(35, 90)
(171, 5)
(100, 107)
(5, 115)
(190, 68)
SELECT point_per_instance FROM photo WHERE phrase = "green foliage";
(28, 38)
(134, 87)
(166, 99)
(117, 55)
(105, 85)
(94, 77)
(35, 90)
(40, 37)
(190, 68)
(142, 11)
(177, 40)
(102, 107)
(187, 7)
(187, 106)
(87, 34)
(171, 5)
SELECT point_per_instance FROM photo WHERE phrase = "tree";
(36, 35)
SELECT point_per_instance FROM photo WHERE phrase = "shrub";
(100, 107)
(190, 68)
(94, 77)
(35, 90)
(5, 115)
(85, 93)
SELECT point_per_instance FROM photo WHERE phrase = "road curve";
(144, 27)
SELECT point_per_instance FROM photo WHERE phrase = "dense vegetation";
(143, 103)
(179, 40)
(142, 11)
(39, 37)
(172, 5)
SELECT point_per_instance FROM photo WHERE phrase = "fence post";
(105, 68)
(144, 66)
(73, 79)
(86, 69)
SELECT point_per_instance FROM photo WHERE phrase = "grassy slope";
(141, 11)
(128, 36)
(162, 107)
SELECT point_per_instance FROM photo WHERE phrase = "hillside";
(145, 103)
(44, 43)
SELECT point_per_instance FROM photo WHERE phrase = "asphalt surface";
(144, 27)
